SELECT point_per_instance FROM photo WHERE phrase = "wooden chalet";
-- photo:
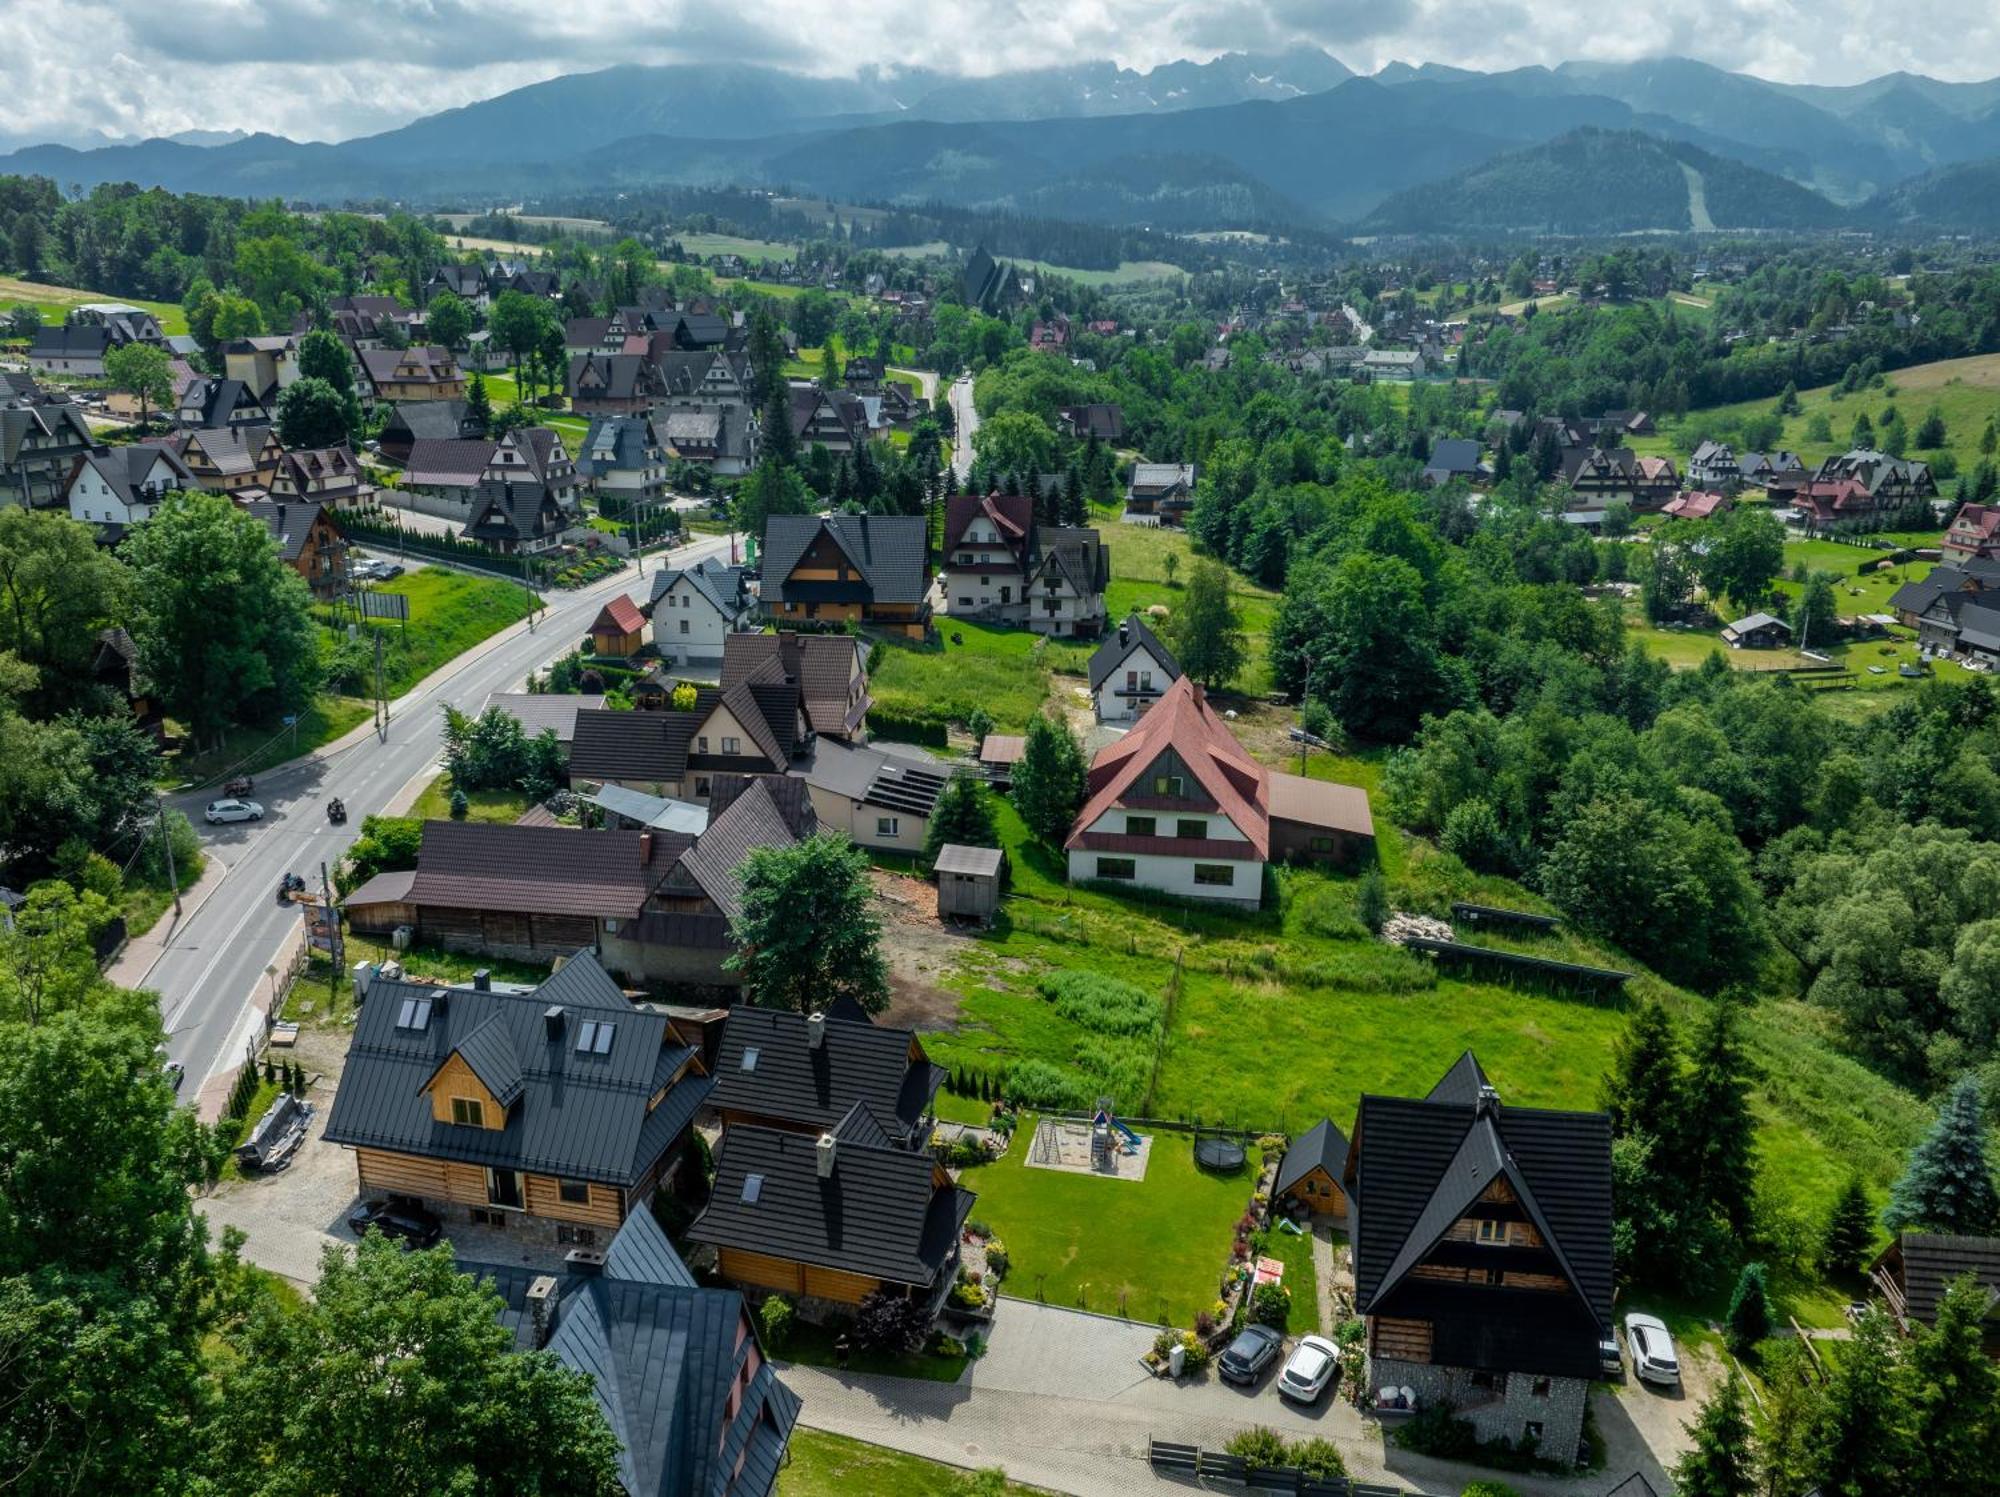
(778, 1069)
(871, 570)
(619, 628)
(1914, 1271)
(1310, 1173)
(416, 373)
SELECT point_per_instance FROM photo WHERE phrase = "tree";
(58, 587)
(829, 367)
(1206, 633)
(1746, 551)
(963, 817)
(398, 1376)
(781, 436)
(1642, 1091)
(1955, 1397)
(1016, 441)
(1788, 402)
(1717, 1131)
(1749, 1309)
(808, 932)
(1816, 612)
(1948, 1185)
(323, 356)
(1049, 779)
(1863, 1433)
(1718, 1461)
(1170, 564)
(1863, 434)
(312, 413)
(478, 403)
(448, 320)
(143, 371)
(1932, 435)
(223, 627)
(774, 489)
(517, 322)
(1850, 1231)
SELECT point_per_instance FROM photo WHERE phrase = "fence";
(1191, 1461)
(1600, 981)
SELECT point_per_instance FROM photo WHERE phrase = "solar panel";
(753, 1186)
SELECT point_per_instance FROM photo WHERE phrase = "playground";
(1100, 1146)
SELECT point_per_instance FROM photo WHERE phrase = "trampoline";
(1215, 1152)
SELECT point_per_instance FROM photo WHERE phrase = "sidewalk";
(135, 959)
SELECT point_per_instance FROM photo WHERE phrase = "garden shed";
(968, 880)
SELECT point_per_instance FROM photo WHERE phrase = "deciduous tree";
(1049, 779)
(143, 371)
(808, 932)
(1206, 633)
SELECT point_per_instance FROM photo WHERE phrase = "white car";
(220, 811)
(1653, 1357)
(1309, 1370)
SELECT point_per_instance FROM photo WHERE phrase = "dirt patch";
(919, 947)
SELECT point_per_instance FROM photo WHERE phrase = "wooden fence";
(1195, 1464)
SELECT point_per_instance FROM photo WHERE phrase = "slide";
(1131, 1138)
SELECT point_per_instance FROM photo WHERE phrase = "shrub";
(1259, 1445)
(1036, 1083)
(1328, 910)
(460, 806)
(1749, 1310)
(1165, 1342)
(1488, 1489)
(968, 1295)
(776, 1317)
(1439, 1432)
(997, 1259)
(1371, 900)
(889, 1322)
(1316, 1457)
(1204, 1323)
(1197, 1354)
(1102, 1004)
(1272, 1306)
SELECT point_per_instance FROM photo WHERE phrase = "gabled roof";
(720, 585)
(510, 509)
(617, 444)
(621, 614)
(887, 552)
(452, 460)
(428, 418)
(123, 469)
(291, 524)
(822, 665)
(1454, 455)
(575, 1115)
(544, 711)
(1932, 1261)
(1322, 1146)
(1013, 515)
(790, 1081)
(1110, 656)
(746, 812)
(540, 869)
(886, 1213)
(1461, 1085)
(650, 746)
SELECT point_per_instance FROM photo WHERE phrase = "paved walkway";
(1324, 1270)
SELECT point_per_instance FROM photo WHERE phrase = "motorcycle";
(336, 811)
(289, 885)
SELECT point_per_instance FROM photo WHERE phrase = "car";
(1309, 1369)
(390, 569)
(403, 1221)
(1245, 1358)
(1652, 1348)
(1608, 1360)
(220, 811)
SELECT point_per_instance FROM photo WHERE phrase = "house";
(1624, 424)
(624, 464)
(613, 384)
(1310, 1173)
(988, 285)
(262, 365)
(516, 518)
(42, 437)
(1159, 494)
(1001, 566)
(114, 665)
(1974, 531)
(552, 1111)
(240, 461)
(129, 407)
(968, 880)
(834, 419)
(1695, 506)
(1597, 476)
(1764, 469)
(787, 1071)
(870, 570)
(1760, 631)
(619, 629)
(1714, 466)
(1910, 602)
(864, 375)
(677, 1369)
(467, 282)
(209, 403)
(754, 726)
(77, 348)
(1955, 610)
(1862, 487)
(308, 542)
(721, 439)
(833, 1218)
(540, 712)
(322, 475)
(436, 420)
(113, 487)
(878, 796)
(1483, 1256)
(1130, 671)
(537, 453)
(696, 609)
(1178, 806)
(1393, 364)
(1454, 458)
(420, 372)
(829, 672)
(1914, 1271)
(441, 476)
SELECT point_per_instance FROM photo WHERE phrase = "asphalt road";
(967, 422)
(213, 963)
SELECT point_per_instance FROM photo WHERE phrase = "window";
(593, 1037)
(581, 1236)
(1141, 826)
(701, 744)
(503, 1188)
(750, 1054)
(574, 1192)
(965, 602)
(1120, 868)
(1542, 1386)
(1006, 595)
(732, 745)
(887, 826)
(1215, 875)
(684, 626)
(701, 785)
(753, 1187)
(1170, 785)
(468, 1112)
(1532, 1430)
(414, 1014)
(1493, 1233)
(1321, 844)
(484, 1218)
(1191, 826)
(1485, 1380)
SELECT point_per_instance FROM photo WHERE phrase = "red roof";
(622, 614)
(1183, 722)
(1011, 515)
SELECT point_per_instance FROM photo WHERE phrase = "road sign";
(384, 605)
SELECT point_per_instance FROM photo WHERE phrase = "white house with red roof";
(1178, 806)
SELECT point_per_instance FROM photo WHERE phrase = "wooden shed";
(620, 629)
(968, 880)
(1311, 1171)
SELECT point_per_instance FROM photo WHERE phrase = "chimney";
(438, 996)
(645, 849)
(1124, 631)
(482, 981)
(542, 1308)
(816, 1031)
(1489, 1103)
(587, 1263)
(552, 1022)
(824, 1151)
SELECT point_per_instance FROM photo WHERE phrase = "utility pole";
(334, 945)
(381, 703)
(167, 842)
(1305, 701)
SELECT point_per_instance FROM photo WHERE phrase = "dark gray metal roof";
(1118, 647)
(1933, 1260)
(649, 746)
(793, 1082)
(576, 1115)
(1461, 1084)
(976, 862)
(1321, 1146)
(888, 552)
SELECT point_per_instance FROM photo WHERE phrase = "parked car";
(1608, 1360)
(1254, 1349)
(1653, 1357)
(408, 1224)
(1312, 1366)
(220, 811)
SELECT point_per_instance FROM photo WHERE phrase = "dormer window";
(468, 1112)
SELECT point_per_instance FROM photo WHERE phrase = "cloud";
(329, 69)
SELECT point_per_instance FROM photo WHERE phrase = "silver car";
(1654, 1359)
(1313, 1364)
(220, 811)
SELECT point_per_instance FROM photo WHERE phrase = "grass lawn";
(144, 901)
(813, 1346)
(54, 302)
(1139, 580)
(1151, 1250)
(731, 244)
(1006, 671)
(253, 749)
(501, 807)
(450, 612)
(828, 1465)
(1296, 1253)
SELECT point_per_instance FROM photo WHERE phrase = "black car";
(408, 1224)
(1254, 1349)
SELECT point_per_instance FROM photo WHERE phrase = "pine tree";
(1792, 1408)
(1863, 1431)
(1948, 1185)
(1989, 439)
(1955, 1394)
(1749, 1310)
(1850, 1231)
(780, 438)
(963, 816)
(1788, 403)
(1642, 1089)
(1718, 1463)
(1863, 435)
(1718, 1130)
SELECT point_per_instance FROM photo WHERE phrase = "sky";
(79, 70)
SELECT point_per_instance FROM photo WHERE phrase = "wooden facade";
(790, 1277)
(1318, 1192)
(824, 562)
(471, 1185)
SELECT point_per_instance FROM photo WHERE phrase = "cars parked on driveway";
(408, 1224)
(1309, 1370)
(1654, 1359)
(1609, 1362)
(1245, 1358)
(220, 811)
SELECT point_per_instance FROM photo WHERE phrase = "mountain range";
(1238, 142)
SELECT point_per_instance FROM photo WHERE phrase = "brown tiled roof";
(449, 460)
(1320, 803)
(622, 614)
(543, 870)
(821, 664)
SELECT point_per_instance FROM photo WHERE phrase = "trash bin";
(1176, 1359)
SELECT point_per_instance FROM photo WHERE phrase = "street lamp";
(1305, 701)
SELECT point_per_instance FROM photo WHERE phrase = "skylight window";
(414, 1014)
(593, 1037)
(750, 1054)
(753, 1187)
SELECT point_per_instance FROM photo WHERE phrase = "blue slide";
(1131, 1138)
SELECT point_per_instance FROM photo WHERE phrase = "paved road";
(212, 963)
(967, 422)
